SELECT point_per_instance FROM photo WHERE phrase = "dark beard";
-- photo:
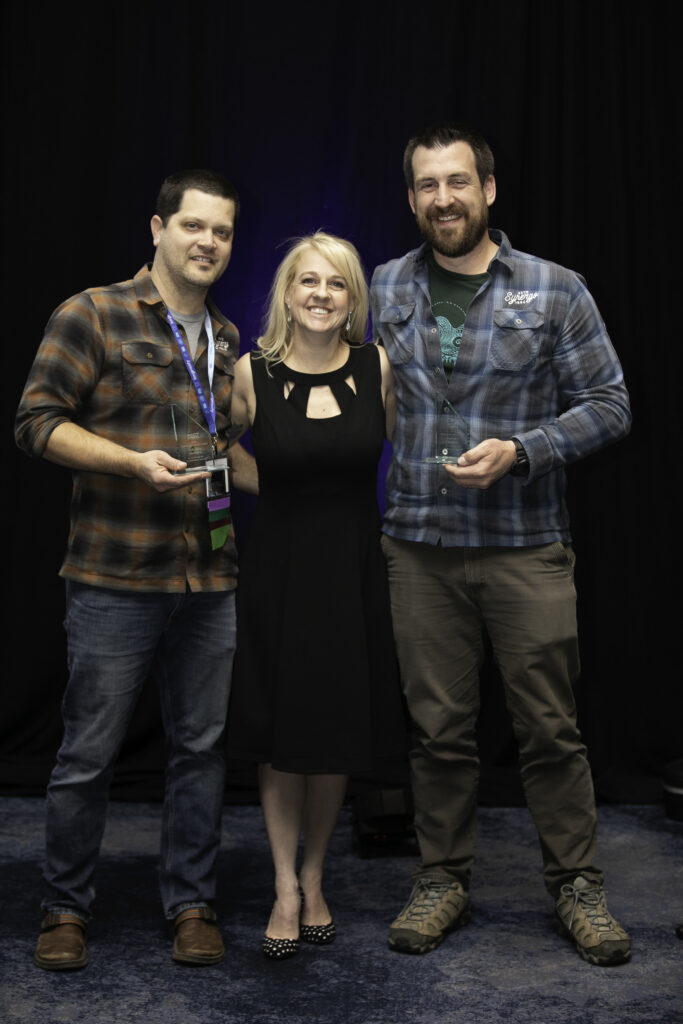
(475, 227)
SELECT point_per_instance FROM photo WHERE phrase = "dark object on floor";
(619, 784)
(672, 785)
(383, 822)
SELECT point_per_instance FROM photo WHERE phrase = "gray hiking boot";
(581, 915)
(433, 910)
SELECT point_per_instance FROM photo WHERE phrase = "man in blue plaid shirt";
(504, 374)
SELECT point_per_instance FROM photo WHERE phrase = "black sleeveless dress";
(315, 681)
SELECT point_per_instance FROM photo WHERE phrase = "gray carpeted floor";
(507, 965)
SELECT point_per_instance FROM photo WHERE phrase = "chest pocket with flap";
(517, 338)
(147, 372)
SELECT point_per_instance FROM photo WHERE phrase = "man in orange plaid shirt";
(131, 382)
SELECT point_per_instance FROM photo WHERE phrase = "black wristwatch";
(520, 467)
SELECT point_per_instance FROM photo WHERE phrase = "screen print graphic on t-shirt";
(451, 296)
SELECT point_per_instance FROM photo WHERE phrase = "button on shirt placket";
(441, 480)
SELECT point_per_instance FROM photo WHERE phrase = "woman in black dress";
(315, 686)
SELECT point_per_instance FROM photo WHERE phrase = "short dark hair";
(173, 189)
(439, 136)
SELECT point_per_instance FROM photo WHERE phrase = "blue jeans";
(115, 639)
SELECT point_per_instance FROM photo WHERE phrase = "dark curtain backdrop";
(308, 109)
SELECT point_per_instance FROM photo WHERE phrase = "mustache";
(454, 208)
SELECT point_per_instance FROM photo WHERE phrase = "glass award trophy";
(452, 433)
(194, 446)
(193, 443)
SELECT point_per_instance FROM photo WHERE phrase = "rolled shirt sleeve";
(65, 372)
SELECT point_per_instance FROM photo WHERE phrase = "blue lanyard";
(208, 408)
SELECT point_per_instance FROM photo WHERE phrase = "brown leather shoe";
(197, 939)
(61, 946)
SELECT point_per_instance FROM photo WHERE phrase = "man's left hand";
(482, 465)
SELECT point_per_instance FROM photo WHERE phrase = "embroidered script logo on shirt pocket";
(399, 320)
(517, 338)
(147, 372)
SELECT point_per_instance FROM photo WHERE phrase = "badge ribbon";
(220, 520)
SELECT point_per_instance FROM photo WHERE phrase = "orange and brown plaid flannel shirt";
(110, 363)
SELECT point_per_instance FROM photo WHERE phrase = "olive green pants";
(443, 601)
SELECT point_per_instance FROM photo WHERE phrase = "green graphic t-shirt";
(451, 295)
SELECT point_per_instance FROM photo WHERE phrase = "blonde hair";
(276, 342)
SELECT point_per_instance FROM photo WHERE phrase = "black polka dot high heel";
(318, 934)
(279, 949)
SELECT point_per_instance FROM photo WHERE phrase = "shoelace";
(592, 903)
(424, 903)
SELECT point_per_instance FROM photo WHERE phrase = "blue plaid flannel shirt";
(535, 363)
